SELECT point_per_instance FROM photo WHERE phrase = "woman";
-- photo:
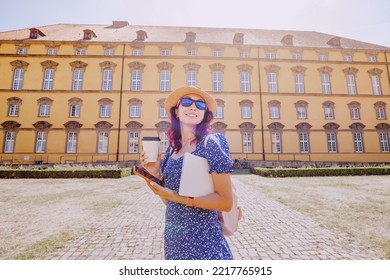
(192, 229)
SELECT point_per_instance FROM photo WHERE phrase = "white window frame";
(74, 111)
(71, 142)
(355, 113)
(135, 111)
(372, 58)
(164, 144)
(376, 85)
(304, 142)
(331, 138)
(299, 83)
(245, 81)
(17, 83)
(322, 57)
(348, 58)
(80, 52)
(9, 143)
(105, 111)
(162, 112)
(52, 51)
(384, 142)
(109, 52)
(247, 145)
(358, 142)
(244, 54)
(107, 79)
(217, 53)
(276, 142)
(48, 79)
(136, 79)
(325, 83)
(380, 113)
(272, 82)
(191, 78)
(22, 51)
(44, 110)
(351, 84)
(137, 52)
(78, 75)
(271, 55)
(296, 56)
(219, 112)
(133, 147)
(102, 147)
(40, 143)
(191, 53)
(274, 112)
(165, 53)
(13, 110)
(328, 113)
(246, 112)
(301, 112)
(217, 81)
(165, 80)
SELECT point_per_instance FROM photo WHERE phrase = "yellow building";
(88, 93)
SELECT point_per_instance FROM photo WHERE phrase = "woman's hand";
(152, 167)
(164, 193)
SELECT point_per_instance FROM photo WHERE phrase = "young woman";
(192, 229)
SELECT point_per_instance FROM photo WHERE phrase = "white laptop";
(195, 179)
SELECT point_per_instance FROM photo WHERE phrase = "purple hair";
(174, 132)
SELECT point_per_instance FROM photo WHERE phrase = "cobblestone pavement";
(269, 231)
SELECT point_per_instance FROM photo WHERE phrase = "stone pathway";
(269, 230)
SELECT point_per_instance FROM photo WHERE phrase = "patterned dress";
(193, 233)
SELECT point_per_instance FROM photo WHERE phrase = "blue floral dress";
(193, 233)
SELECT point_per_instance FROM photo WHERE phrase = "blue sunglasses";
(187, 102)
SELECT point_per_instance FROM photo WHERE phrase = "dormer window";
(88, 34)
(238, 38)
(141, 35)
(287, 40)
(334, 42)
(35, 33)
(190, 37)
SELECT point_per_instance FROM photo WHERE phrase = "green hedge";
(308, 172)
(98, 173)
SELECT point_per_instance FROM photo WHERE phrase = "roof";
(121, 32)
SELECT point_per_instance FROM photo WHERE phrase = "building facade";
(88, 93)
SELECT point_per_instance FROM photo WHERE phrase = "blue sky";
(367, 21)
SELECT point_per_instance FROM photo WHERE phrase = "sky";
(362, 20)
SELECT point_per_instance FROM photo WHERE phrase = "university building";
(89, 93)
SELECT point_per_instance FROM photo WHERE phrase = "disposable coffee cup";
(151, 146)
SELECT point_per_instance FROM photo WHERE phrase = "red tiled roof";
(170, 34)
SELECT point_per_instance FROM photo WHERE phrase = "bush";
(308, 172)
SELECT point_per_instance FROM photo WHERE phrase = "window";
(40, 146)
(165, 80)
(105, 111)
(271, 55)
(219, 112)
(135, 111)
(74, 111)
(48, 79)
(323, 57)
(296, 56)
(380, 113)
(332, 142)
(191, 52)
(78, 79)
(165, 52)
(358, 142)
(244, 54)
(9, 141)
(376, 85)
(303, 142)
(136, 76)
(191, 78)
(276, 142)
(274, 112)
(109, 52)
(44, 110)
(301, 112)
(355, 113)
(52, 51)
(21, 51)
(272, 82)
(328, 111)
(102, 142)
(13, 110)
(246, 112)
(18, 79)
(80, 52)
(107, 79)
(164, 144)
(348, 58)
(372, 58)
(217, 81)
(299, 83)
(137, 52)
(247, 142)
(162, 111)
(217, 53)
(384, 142)
(71, 143)
(325, 81)
(133, 142)
(351, 84)
(244, 78)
